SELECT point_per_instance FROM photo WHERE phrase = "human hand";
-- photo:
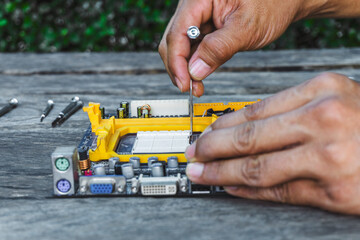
(229, 27)
(300, 146)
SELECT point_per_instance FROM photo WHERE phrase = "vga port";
(101, 188)
(101, 185)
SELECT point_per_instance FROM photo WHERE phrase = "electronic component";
(135, 161)
(127, 170)
(162, 108)
(64, 164)
(121, 113)
(13, 103)
(84, 162)
(125, 106)
(134, 156)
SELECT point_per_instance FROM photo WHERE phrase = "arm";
(232, 26)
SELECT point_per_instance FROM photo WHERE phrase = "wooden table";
(29, 211)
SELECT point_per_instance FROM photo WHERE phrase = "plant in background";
(128, 25)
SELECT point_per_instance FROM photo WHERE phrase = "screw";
(193, 32)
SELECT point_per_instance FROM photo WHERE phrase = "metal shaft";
(49, 107)
(77, 107)
(10, 106)
(191, 111)
(193, 32)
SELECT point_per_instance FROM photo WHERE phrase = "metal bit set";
(74, 106)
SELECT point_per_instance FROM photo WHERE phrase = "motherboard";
(136, 150)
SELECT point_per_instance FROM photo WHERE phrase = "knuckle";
(252, 172)
(329, 81)
(329, 111)
(340, 193)
(281, 193)
(254, 111)
(170, 37)
(243, 138)
(162, 49)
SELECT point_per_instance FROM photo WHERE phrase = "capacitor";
(112, 162)
(102, 110)
(120, 113)
(172, 162)
(127, 170)
(151, 160)
(135, 161)
(157, 170)
(145, 113)
(139, 112)
(84, 161)
(99, 169)
(125, 105)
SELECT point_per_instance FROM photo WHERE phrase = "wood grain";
(28, 209)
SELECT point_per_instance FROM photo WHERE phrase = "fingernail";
(231, 188)
(190, 152)
(194, 170)
(199, 69)
(208, 129)
(178, 83)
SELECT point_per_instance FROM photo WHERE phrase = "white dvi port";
(159, 186)
(158, 190)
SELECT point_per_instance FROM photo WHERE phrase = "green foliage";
(127, 25)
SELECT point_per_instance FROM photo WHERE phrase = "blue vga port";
(101, 188)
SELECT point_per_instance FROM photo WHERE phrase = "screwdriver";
(49, 107)
(13, 103)
(193, 32)
(77, 107)
(71, 105)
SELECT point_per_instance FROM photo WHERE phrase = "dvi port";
(158, 186)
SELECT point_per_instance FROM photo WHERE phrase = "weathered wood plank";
(28, 210)
(169, 218)
(150, 62)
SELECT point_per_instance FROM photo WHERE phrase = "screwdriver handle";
(10, 106)
(48, 108)
(71, 105)
(77, 107)
(6, 109)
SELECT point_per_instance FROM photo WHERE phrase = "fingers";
(301, 192)
(177, 42)
(264, 170)
(250, 138)
(283, 101)
(214, 50)
(198, 88)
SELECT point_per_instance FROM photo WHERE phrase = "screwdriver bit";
(49, 107)
(13, 103)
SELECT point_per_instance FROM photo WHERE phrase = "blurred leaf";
(3, 22)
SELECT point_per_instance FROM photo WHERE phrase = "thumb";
(214, 50)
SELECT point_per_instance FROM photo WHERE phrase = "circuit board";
(137, 150)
